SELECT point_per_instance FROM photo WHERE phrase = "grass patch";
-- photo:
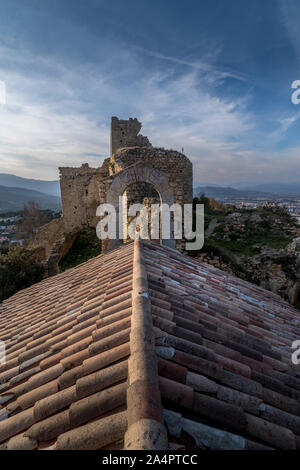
(237, 247)
(249, 246)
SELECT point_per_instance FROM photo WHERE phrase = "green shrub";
(86, 246)
(18, 269)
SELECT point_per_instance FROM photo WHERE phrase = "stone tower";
(125, 133)
(135, 169)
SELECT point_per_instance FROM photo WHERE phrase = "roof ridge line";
(145, 420)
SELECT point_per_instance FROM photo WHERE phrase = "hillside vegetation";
(86, 246)
(18, 269)
(13, 199)
(257, 245)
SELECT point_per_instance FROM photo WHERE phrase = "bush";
(18, 269)
(86, 246)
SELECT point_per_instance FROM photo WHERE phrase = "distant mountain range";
(47, 187)
(13, 199)
(292, 189)
(229, 193)
(248, 190)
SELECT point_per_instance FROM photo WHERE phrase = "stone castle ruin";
(135, 170)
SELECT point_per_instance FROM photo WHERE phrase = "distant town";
(10, 226)
(292, 204)
(8, 229)
(250, 199)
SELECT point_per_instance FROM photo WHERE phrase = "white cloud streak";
(59, 116)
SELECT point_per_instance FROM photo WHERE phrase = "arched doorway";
(141, 177)
(146, 195)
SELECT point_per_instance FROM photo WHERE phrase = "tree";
(18, 269)
(32, 219)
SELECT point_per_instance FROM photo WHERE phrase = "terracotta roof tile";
(94, 435)
(141, 345)
(232, 416)
(28, 399)
(276, 436)
(88, 408)
(15, 424)
(48, 330)
(51, 404)
(101, 379)
(105, 358)
(21, 442)
(49, 428)
(248, 332)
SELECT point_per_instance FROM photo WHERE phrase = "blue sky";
(213, 77)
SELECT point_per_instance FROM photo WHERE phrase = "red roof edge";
(145, 427)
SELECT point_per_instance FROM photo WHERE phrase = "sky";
(209, 76)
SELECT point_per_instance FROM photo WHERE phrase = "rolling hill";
(13, 199)
(219, 192)
(289, 189)
(292, 189)
(13, 181)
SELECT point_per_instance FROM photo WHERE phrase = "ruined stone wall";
(84, 188)
(125, 133)
(138, 192)
(80, 194)
(49, 234)
(175, 166)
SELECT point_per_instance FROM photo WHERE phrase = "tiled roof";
(144, 347)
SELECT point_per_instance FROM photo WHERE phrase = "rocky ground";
(261, 245)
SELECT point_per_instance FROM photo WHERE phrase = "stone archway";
(145, 194)
(139, 173)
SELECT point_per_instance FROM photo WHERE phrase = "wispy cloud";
(58, 115)
(46, 121)
(55, 116)
(287, 122)
(218, 73)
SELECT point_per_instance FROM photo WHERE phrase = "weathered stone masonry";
(132, 163)
(125, 133)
